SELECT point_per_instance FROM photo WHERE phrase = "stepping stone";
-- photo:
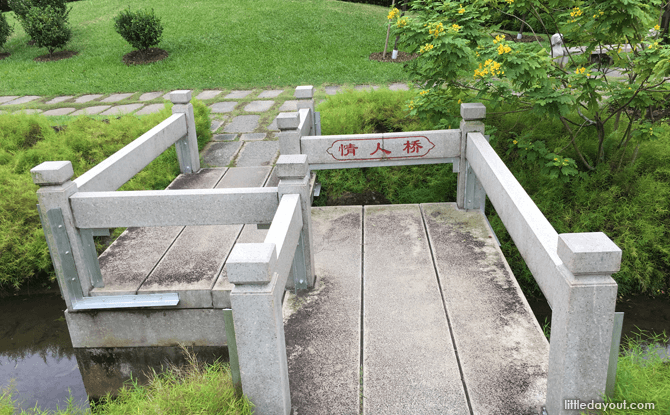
(219, 154)
(215, 125)
(270, 94)
(91, 110)
(116, 97)
(243, 124)
(59, 111)
(150, 109)
(224, 137)
(223, 107)
(149, 96)
(22, 100)
(332, 90)
(31, 111)
(290, 105)
(273, 125)
(58, 100)
(253, 136)
(208, 94)
(238, 94)
(258, 153)
(8, 98)
(86, 98)
(167, 96)
(122, 109)
(399, 86)
(366, 87)
(259, 106)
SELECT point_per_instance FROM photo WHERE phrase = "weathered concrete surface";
(91, 110)
(273, 93)
(86, 98)
(116, 97)
(59, 111)
(122, 109)
(150, 96)
(243, 124)
(237, 94)
(502, 350)
(58, 100)
(22, 100)
(220, 153)
(223, 107)
(409, 363)
(257, 153)
(150, 109)
(208, 94)
(259, 106)
(322, 326)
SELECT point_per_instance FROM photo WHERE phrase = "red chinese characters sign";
(381, 148)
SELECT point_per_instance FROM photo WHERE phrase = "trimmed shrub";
(22, 7)
(48, 27)
(5, 30)
(142, 29)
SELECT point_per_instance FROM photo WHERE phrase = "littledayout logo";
(576, 404)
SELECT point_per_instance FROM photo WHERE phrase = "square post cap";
(251, 263)
(180, 97)
(475, 111)
(288, 120)
(304, 92)
(52, 173)
(589, 253)
(292, 166)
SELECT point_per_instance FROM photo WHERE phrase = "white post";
(305, 96)
(469, 192)
(582, 321)
(187, 147)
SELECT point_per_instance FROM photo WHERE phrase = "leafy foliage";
(48, 27)
(22, 7)
(5, 30)
(142, 29)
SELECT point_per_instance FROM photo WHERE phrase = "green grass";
(211, 44)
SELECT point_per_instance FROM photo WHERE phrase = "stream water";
(37, 358)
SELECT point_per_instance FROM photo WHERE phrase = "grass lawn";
(211, 44)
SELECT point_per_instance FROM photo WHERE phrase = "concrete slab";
(258, 153)
(8, 98)
(409, 362)
(273, 125)
(150, 109)
(238, 94)
(59, 111)
(259, 106)
(122, 109)
(274, 93)
(215, 124)
(289, 105)
(223, 107)
(224, 137)
(243, 124)
(58, 100)
(23, 100)
(150, 96)
(332, 90)
(399, 86)
(253, 136)
(116, 97)
(502, 350)
(219, 154)
(322, 327)
(208, 94)
(91, 110)
(87, 98)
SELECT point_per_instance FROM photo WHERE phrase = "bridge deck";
(415, 309)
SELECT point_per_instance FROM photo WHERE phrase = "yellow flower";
(575, 12)
(509, 1)
(393, 13)
(515, 141)
(426, 48)
(461, 10)
(555, 159)
(436, 30)
(569, 86)
(657, 27)
(580, 70)
(455, 27)
(424, 92)
(503, 49)
(498, 38)
(402, 22)
(460, 101)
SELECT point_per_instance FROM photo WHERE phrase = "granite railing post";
(582, 321)
(289, 135)
(305, 96)
(53, 177)
(187, 147)
(256, 301)
(469, 191)
(294, 175)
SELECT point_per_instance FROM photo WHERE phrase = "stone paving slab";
(289, 105)
(148, 96)
(271, 93)
(238, 94)
(219, 154)
(215, 124)
(116, 97)
(224, 137)
(322, 327)
(87, 98)
(122, 109)
(208, 94)
(502, 350)
(259, 106)
(253, 136)
(257, 153)
(273, 125)
(332, 90)
(409, 361)
(58, 100)
(59, 111)
(399, 86)
(223, 107)
(91, 110)
(150, 109)
(243, 124)
(8, 98)
(22, 100)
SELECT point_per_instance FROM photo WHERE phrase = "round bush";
(142, 29)
(5, 30)
(48, 27)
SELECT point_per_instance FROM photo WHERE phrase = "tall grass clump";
(28, 140)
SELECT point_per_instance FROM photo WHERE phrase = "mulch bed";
(4, 55)
(61, 54)
(138, 58)
(402, 56)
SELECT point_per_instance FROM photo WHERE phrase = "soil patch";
(62, 54)
(142, 58)
(4, 55)
(402, 56)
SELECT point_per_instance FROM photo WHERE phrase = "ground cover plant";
(28, 140)
(212, 44)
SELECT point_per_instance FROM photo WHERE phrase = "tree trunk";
(388, 32)
(665, 22)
